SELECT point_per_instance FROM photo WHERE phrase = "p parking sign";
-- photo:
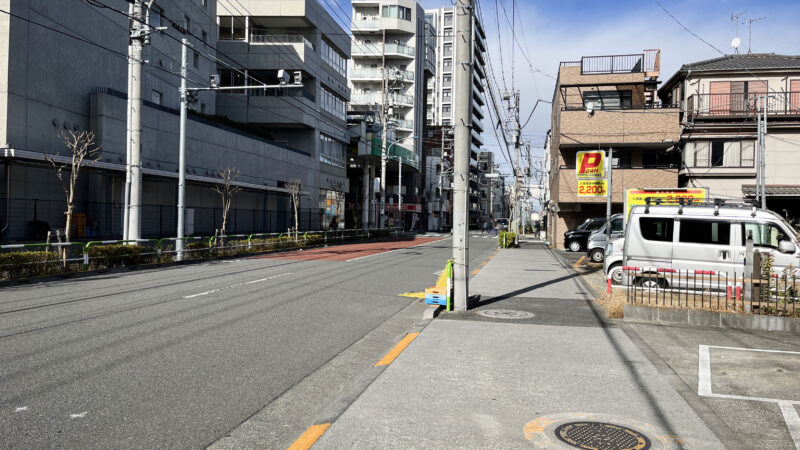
(590, 165)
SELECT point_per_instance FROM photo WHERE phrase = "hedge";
(505, 239)
(29, 264)
(117, 255)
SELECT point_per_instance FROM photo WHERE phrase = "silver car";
(595, 247)
(612, 264)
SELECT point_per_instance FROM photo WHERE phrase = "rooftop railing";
(742, 104)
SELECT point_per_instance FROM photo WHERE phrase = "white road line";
(20, 409)
(199, 294)
(78, 416)
(704, 372)
(395, 250)
(792, 421)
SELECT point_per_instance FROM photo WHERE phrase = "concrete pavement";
(531, 361)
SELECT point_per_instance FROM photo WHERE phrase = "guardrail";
(767, 294)
(25, 260)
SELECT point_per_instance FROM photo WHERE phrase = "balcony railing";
(366, 24)
(405, 124)
(376, 50)
(742, 104)
(264, 37)
(378, 98)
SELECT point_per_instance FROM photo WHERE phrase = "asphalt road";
(177, 357)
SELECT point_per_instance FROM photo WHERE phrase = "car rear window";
(696, 231)
(656, 228)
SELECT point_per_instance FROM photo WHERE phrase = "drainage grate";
(505, 314)
(600, 435)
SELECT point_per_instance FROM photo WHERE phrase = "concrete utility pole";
(461, 152)
(764, 155)
(514, 128)
(400, 190)
(385, 123)
(182, 149)
(138, 37)
(127, 194)
(365, 195)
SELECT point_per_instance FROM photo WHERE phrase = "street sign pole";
(609, 165)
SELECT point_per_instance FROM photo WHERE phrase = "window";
(719, 153)
(398, 12)
(204, 36)
(231, 28)
(333, 58)
(764, 234)
(195, 59)
(331, 151)
(231, 77)
(713, 232)
(448, 50)
(656, 228)
(446, 110)
(447, 64)
(617, 226)
(446, 95)
(448, 20)
(156, 12)
(608, 99)
(187, 23)
(157, 97)
(331, 103)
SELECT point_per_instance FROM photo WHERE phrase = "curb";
(695, 317)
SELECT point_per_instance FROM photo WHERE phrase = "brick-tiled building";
(601, 102)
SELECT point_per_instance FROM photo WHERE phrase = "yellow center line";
(310, 437)
(484, 263)
(475, 271)
(395, 352)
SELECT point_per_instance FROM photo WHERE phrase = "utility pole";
(400, 190)
(758, 149)
(384, 120)
(763, 163)
(138, 38)
(461, 152)
(610, 165)
(127, 194)
(184, 94)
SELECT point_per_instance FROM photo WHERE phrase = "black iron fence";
(29, 220)
(743, 104)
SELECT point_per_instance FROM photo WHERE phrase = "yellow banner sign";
(589, 165)
(666, 196)
(592, 188)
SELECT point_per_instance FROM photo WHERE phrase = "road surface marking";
(390, 251)
(475, 271)
(412, 294)
(792, 421)
(78, 416)
(21, 408)
(395, 352)
(199, 294)
(310, 437)
(484, 263)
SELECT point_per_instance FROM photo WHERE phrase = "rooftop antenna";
(736, 41)
(749, 23)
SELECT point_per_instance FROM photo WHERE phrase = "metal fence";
(768, 293)
(29, 220)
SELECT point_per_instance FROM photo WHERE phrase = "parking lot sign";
(589, 165)
(592, 188)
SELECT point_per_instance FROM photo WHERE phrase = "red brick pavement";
(348, 251)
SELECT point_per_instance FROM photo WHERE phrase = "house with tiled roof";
(718, 99)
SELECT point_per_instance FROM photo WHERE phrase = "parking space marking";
(787, 407)
(579, 261)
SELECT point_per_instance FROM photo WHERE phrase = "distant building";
(718, 139)
(601, 102)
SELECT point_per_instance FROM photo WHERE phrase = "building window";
(231, 28)
(332, 205)
(333, 58)
(204, 36)
(331, 103)
(156, 12)
(719, 153)
(187, 23)
(331, 151)
(448, 20)
(448, 50)
(608, 99)
(195, 59)
(231, 77)
(446, 95)
(447, 65)
(446, 110)
(397, 12)
(157, 97)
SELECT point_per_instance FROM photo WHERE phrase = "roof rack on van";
(716, 203)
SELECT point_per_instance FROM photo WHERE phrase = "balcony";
(265, 38)
(620, 126)
(648, 62)
(366, 24)
(623, 178)
(361, 49)
(405, 124)
(377, 98)
(739, 105)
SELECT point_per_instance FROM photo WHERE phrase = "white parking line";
(235, 285)
(792, 421)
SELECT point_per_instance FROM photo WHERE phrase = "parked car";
(575, 240)
(596, 244)
(612, 264)
(702, 238)
(501, 224)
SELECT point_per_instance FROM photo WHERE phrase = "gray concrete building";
(63, 66)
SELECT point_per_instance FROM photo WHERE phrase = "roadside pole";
(758, 149)
(127, 193)
(609, 165)
(764, 156)
(182, 151)
(138, 34)
(400, 191)
(461, 152)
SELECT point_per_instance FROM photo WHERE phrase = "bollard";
(728, 293)
(609, 285)
(85, 260)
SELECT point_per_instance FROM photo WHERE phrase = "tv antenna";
(736, 41)
(749, 23)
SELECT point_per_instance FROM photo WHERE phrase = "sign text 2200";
(591, 189)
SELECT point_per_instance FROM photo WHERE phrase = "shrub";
(117, 255)
(505, 239)
(26, 264)
(198, 249)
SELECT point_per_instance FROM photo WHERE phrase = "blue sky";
(551, 31)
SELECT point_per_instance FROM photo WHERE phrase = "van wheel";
(574, 246)
(651, 283)
(597, 255)
(615, 273)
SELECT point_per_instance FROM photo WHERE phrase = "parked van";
(703, 238)
(612, 264)
(596, 244)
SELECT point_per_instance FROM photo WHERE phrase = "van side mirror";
(786, 246)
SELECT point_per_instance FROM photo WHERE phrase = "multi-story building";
(301, 38)
(720, 98)
(388, 52)
(438, 157)
(441, 89)
(603, 102)
(50, 82)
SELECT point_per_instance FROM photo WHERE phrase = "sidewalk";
(471, 381)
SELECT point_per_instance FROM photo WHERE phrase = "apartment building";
(50, 82)
(441, 89)
(491, 188)
(303, 39)
(603, 102)
(719, 126)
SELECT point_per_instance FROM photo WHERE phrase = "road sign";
(669, 195)
(592, 188)
(589, 165)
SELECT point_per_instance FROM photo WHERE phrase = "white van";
(703, 238)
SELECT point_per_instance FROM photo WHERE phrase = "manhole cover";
(600, 435)
(505, 314)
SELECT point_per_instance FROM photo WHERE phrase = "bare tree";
(82, 147)
(294, 191)
(226, 190)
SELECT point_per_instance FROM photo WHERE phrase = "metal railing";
(39, 259)
(264, 37)
(742, 104)
(767, 294)
(612, 64)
